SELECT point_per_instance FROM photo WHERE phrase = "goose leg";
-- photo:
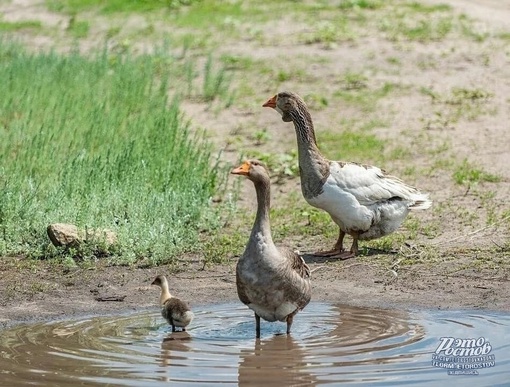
(257, 326)
(290, 318)
(336, 251)
(354, 248)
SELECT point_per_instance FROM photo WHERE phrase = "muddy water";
(329, 344)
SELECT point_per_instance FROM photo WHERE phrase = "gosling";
(173, 310)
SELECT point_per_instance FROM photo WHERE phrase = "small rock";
(68, 235)
(62, 234)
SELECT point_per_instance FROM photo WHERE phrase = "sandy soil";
(470, 269)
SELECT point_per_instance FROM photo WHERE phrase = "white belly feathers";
(343, 207)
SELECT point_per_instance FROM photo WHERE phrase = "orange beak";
(270, 103)
(243, 169)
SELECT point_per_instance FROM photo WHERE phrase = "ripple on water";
(329, 344)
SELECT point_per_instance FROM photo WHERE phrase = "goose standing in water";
(173, 310)
(362, 200)
(274, 283)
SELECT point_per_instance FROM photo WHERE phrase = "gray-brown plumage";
(274, 283)
(173, 310)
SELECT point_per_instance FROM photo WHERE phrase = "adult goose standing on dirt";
(362, 200)
(274, 283)
(173, 310)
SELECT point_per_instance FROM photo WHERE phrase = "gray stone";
(68, 235)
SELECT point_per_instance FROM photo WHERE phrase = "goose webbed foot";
(353, 252)
(336, 254)
(345, 255)
(337, 251)
(328, 253)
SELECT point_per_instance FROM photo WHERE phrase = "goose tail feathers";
(421, 202)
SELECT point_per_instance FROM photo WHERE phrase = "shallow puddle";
(329, 344)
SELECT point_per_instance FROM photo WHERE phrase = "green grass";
(361, 4)
(96, 142)
(356, 92)
(216, 82)
(354, 81)
(114, 6)
(463, 95)
(239, 62)
(503, 35)
(398, 20)
(329, 32)
(280, 165)
(466, 173)
(222, 246)
(316, 101)
(425, 30)
(208, 22)
(415, 21)
(468, 29)
(459, 103)
(78, 28)
(261, 136)
(20, 25)
(302, 220)
(227, 14)
(422, 8)
(349, 145)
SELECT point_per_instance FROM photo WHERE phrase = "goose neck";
(261, 226)
(165, 293)
(305, 134)
(304, 127)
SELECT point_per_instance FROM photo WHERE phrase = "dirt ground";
(68, 294)
(471, 266)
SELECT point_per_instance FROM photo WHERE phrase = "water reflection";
(173, 346)
(378, 332)
(173, 351)
(279, 360)
(329, 344)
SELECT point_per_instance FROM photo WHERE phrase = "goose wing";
(370, 185)
(241, 291)
(296, 262)
(298, 292)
